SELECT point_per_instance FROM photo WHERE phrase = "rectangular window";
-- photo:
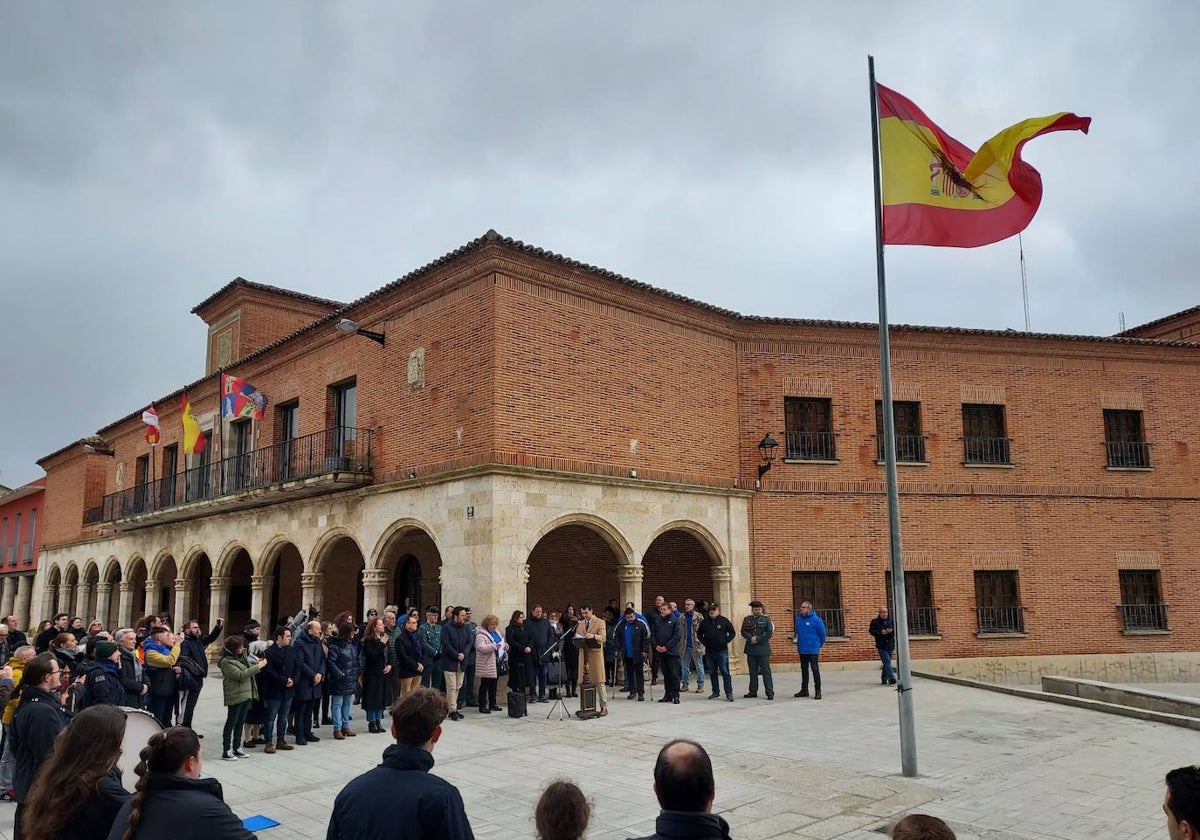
(170, 467)
(809, 429)
(1124, 440)
(141, 477)
(998, 602)
(1141, 604)
(238, 471)
(910, 443)
(984, 440)
(824, 590)
(199, 482)
(345, 420)
(3, 539)
(918, 592)
(15, 547)
(27, 550)
(289, 430)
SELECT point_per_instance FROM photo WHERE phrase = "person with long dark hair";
(375, 674)
(39, 719)
(520, 652)
(343, 677)
(77, 792)
(570, 653)
(171, 800)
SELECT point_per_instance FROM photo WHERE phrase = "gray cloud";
(148, 154)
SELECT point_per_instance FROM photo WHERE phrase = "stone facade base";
(1029, 670)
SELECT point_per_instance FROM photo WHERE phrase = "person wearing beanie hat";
(102, 677)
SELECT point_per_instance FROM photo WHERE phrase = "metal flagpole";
(908, 734)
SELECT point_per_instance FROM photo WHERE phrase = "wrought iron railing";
(979, 450)
(1144, 616)
(909, 448)
(340, 449)
(1131, 454)
(835, 620)
(93, 515)
(1001, 619)
(922, 621)
(811, 446)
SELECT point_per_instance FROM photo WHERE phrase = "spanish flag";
(193, 440)
(936, 191)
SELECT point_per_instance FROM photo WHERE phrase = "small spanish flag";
(936, 191)
(194, 441)
(150, 418)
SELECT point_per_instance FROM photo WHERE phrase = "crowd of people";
(67, 697)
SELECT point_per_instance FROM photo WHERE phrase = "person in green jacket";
(757, 630)
(240, 691)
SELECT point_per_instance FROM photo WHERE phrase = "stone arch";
(112, 570)
(576, 560)
(50, 591)
(193, 556)
(339, 561)
(135, 578)
(706, 538)
(239, 608)
(71, 575)
(155, 568)
(54, 575)
(409, 557)
(679, 563)
(164, 598)
(282, 562)
(112, 576)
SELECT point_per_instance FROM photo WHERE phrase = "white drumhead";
(140, 725)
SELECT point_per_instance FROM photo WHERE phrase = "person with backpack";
(194, 660)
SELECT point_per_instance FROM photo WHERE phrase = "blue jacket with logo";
(810, 633)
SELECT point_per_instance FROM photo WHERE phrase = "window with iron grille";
(1142, 606)
(809, 429)
(984, 440)
(910, 443)
(998, 602)
(1124, 440)
(918, 593)
(824, 591)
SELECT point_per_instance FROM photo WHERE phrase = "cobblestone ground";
(995, 767)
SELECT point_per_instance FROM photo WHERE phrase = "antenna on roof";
(1121, 320)
(1024, 282)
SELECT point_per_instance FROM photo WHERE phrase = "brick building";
(22, 514)
(512, 427)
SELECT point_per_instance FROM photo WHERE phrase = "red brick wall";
(571, 565)
(676, 567)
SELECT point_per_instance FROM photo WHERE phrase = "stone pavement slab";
(993, 766)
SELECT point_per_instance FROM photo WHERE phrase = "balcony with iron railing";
(1127, 455)
(923, 621)
(910, 449)
(981, 450)
(1000, 620)
(322, 462)
(1144, 618)
(811, 446)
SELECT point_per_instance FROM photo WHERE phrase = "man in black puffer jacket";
(192, 648)
(401, 791)
(36, 724)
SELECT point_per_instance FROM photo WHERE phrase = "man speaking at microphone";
(589, 638)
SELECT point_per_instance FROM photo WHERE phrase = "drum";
(140, 725)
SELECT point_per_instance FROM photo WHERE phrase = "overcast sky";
(150, 153)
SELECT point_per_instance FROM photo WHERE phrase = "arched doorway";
(200, 591)
(573, 564)
(678, 566)
(286, 566)
(66, 592)
(164, 590)
(414, 568)
(50, 593)
(341, 562)
(91, 577)
(112, 576)
(137, 589)
(241, 595)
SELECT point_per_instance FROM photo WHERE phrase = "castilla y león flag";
(936, 191)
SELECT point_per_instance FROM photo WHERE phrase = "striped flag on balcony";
(150, 418)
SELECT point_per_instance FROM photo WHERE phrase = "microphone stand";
(555, 652)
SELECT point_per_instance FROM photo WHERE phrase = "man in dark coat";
(311, 656)
(58, 625)
(37, 722)
(885, 642)
(16, 637)
(684, 785)
(194, 643)
(102, 676)
(133, 676)
(716, 632)
(457, 644)
(279, 688)
(541, 636)
(667, 638)
(633, 643)
(401, 791)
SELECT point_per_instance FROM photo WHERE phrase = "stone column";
(722, 580)
(24, 605)
(49, 600)
(631, 585)
(152, 606)
(312, 584)
(183, 601)
(66, 593)
(83, 602)
(375, 584)
(125, 604)
(219, 603)
(10, 594)
(104, 603)
(260, 599)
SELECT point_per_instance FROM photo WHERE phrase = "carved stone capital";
(103, 588)
(630, 574)
(262, 581)
(375, 577)
(181, 584)
(125, 586)
(312, 579)
(216, 583)
(722, 574)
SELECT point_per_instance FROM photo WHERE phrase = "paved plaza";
(993, 766)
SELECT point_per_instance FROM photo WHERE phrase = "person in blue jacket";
(810, 638)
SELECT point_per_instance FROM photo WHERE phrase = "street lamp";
(766, 448)
(347, 326)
